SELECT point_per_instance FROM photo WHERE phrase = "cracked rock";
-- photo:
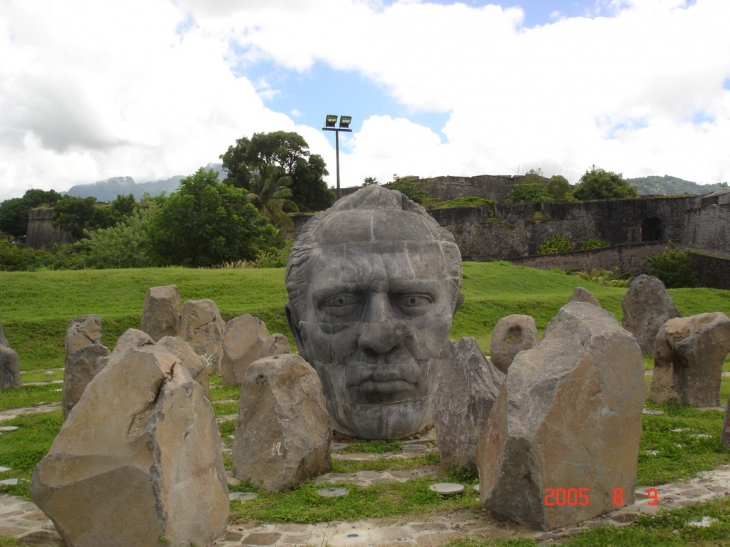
(161, 314)
(81, 332)
(202, 327)
(81, 367)
(245, 340)
(568, 416)
(647, 306)
(283, 433)
(139, 457)
(468, 385)
(688, 358)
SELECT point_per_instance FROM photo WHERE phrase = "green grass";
(362, 446)
(27, 396)
(385, 464)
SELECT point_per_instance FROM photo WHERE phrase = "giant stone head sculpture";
(373, 285)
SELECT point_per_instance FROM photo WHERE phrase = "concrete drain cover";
(332, 492)
(446, 488)
(9, 428)
(9, 482)
(415, 448)
(242, 496)
(338, 446)
(651, 412)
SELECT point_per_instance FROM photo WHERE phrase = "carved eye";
(340, 301)
(343, 306)
(413, 304)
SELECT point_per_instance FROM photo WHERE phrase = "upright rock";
(647, 306)
(511, 335)
(583, 295)
(568, 417)
(82, 366)
(202, 327)
(688, 358)
(725, 433)
(81, 332)
(9, 368)
(283, 433)
(3, 340)
(468, 385)
(161, 314)
(138, 458)
(246, 340)
(195, 364)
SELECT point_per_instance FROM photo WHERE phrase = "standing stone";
(195, 364)
(9, 368)
(3, 340)
(81, 367)
(138, 458)
(725, 433)
(468, 385)
(568, 416)
(202, 327)
(688, 359)
(511, 335)
(283, 433)
(583, 295)
(161, 314)
(81, 332)
(647, 306)
(245, 340)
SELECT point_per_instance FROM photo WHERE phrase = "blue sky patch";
(702, 117)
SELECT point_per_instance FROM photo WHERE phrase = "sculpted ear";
(293, 320)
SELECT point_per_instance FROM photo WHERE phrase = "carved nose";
(381, 332)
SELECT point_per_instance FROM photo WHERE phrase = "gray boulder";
(283, 433)
(568, 416)
(246, 340)
(138, 458)
(511, 335)
(81, 367)
(688, 358)
(202, 327)
(161, 314)
(195, 364)
(81, 332)
(468, 385)
(647, 306)
(3, 340)
(583, 295)
(9, 368)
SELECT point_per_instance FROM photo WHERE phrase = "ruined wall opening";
(651, 229)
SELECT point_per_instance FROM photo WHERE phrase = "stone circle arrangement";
(373, 286)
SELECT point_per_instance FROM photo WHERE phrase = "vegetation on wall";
(591, 243)
(555, 244)
(597, 183)
(674, 268)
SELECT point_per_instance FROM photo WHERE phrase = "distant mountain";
(672, 186)
(107, 190)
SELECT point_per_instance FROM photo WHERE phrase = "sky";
(154, 88)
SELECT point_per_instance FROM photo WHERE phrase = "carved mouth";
(387, 387)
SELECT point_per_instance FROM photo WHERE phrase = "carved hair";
(298, 268)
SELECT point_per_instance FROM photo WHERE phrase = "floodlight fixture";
(329, 125)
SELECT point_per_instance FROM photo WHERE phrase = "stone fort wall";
(41, 232)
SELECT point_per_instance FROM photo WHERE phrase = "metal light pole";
(329, 123)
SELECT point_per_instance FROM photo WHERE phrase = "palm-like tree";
(269, 192)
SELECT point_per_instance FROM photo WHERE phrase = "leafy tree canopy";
(288, 153)
(534, 193)
(74, 215)
(207, 223)
(597, 183)
(558, 187)
(14, 212)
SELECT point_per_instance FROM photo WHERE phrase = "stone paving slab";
(22, 519)
(13, 413)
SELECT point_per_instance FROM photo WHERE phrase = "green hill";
(35, 307)
(672, 186)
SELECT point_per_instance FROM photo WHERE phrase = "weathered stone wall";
(494, 187)
(40, 230)
(708, 222)
(712, 271)
(630, 258)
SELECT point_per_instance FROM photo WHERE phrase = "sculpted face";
(374, 318)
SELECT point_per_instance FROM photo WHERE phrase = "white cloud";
(94, 89)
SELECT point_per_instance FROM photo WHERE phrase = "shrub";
(411, 189)
(597, 183)
(555, 244)
(674, 268)
(605, 277)
(534, 193)
(558, 187)
(594, 244)
(19, 258)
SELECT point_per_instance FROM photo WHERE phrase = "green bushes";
(605, 277)
(674, 268)
(594, 244)
(555, 244)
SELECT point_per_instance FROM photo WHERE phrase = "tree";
(288, 152)
(370, 181)
(534, 193)
(597, 183)
(412, 189)
(270, 194)
(674, 268)
(206, 223)
(75, 215)
(14, 212)
(558, 187)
